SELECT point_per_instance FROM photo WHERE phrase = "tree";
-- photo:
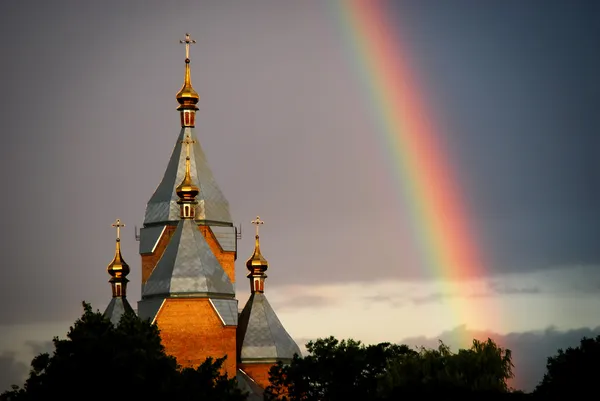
(484, 368)
(342, 370)
(573, 371)
(100, 360)
(333, 370)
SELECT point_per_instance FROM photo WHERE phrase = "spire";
(261, 338)
(187, 191)
(118, 268)
(187, 96)
(257, 264)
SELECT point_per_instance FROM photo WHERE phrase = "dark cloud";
(513, 90)
(493, 289)
(530, 349)
(14, 371)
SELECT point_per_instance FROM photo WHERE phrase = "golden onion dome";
(257, 262)
(187, 191)
(187, 96)
(118, 267)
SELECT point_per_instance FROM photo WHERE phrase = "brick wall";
(226, 259)
(191, 331)
(150, 260)
(259, 372)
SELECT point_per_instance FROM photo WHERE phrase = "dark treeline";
(99, 360)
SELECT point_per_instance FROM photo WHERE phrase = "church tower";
(261, 338)
(188, 294)
(212, 215)
(118, 270)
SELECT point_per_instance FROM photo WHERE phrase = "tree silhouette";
(333, 370)
(342, 370)
(123, 362)
(573, 371)
(484, 368)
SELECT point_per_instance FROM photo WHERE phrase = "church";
(188, 246)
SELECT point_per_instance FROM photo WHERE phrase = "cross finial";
(117, 224)
(187, 142)
(187, 42)
(257, 222)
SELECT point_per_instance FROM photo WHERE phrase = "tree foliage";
(573, 371)
(484, 369)
(100, 360)
(341, 370)
(333, 370)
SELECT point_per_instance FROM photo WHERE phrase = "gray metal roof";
(261, 336)
(149, 237)
(227, 310)
(226, 237)
(246, 384)
(212, 205)
(188, 267)
(148, 308)
(117, 308)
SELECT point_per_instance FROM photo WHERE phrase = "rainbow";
(415, 153)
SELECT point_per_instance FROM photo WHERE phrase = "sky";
(88, 122)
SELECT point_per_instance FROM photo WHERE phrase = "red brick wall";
(150, 260)
(226, 259)
(192, 331)
(259, 372)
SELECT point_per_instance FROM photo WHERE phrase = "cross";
(117, 224)
(257, 222)
(187, 142)
(187, 42)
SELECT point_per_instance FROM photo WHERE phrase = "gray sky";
(89, 121)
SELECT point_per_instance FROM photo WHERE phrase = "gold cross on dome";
(257, 222)
(117, 224)
(187, 142)
(187, 42)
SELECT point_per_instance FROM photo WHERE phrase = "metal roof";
(149, 237)
(149, 308)
(261, 336)
(212, 205)
(227, 310)
(117, 308)
(246, 384)
(188, 267)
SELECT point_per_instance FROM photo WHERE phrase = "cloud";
(14, 369)
(493, 288)
(530, 349)
(303, 302)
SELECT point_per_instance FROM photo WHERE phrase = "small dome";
(118, 267)
(257, 262)
(187, 191)
(187, 95)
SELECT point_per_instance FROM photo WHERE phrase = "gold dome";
(257, 262)
(118, 267)
(187, 96)
(187, 191)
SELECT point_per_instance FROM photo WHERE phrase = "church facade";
(188, 248)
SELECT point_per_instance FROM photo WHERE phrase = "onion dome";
(187, 97)
(118, 267)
